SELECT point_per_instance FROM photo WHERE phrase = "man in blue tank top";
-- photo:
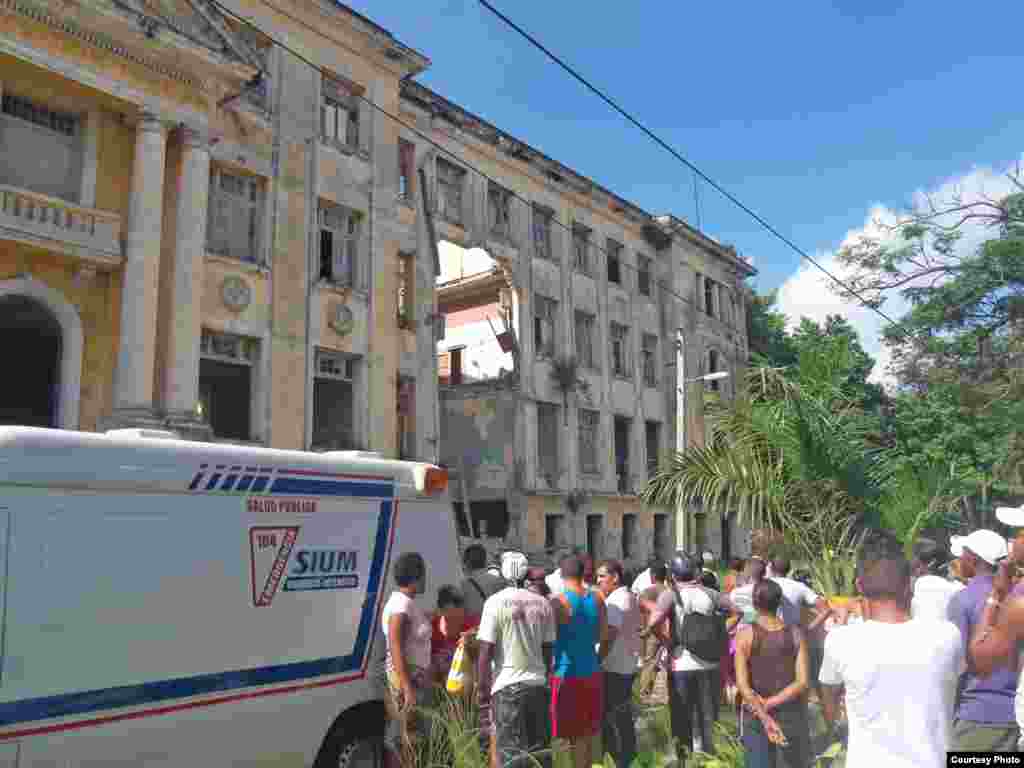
(577, 705)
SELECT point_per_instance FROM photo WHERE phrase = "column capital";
(150, 122)
(194, 138)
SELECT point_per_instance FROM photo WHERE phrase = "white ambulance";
(172, 603)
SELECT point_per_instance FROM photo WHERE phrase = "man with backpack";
(479, 584)
(696, 638)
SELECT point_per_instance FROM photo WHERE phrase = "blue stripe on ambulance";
(86, 702)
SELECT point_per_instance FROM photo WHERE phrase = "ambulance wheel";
(352, 743)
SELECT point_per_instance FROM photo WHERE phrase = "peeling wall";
(476, 437)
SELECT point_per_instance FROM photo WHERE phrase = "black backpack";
(703, 635)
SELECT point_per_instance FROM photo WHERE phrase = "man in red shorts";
(577, 706)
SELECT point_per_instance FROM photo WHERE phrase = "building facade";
(198, 229)
(204, 230)
(573, 321)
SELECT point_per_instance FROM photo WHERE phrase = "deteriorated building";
(200, 229)
(572, 320)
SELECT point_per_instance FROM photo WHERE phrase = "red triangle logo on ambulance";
(270, 548)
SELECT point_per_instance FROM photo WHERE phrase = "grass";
(453, 740)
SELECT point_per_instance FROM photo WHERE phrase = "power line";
(413, 129)
(678, 156)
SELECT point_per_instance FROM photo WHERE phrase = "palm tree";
(791, 454)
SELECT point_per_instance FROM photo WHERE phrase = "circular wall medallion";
(342, 320)
(235, 293)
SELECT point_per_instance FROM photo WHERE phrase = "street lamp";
(1011, 516)
(682, 438)
(714, 376)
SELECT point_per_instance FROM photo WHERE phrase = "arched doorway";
(31, 338)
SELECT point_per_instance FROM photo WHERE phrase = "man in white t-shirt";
(623, 611)
(694, 682)
(900, 674)
(517, 632)
(644, 578)
(795, 595)
(554, 580)
(931, 593)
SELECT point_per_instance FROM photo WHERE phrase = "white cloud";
(809, 293)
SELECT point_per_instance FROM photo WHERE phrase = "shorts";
(405, 724)
(577, 706)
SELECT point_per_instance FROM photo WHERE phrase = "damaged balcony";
(90, 235)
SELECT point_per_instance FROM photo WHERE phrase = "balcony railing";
(37, 219)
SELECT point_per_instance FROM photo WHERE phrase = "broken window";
(235, 215)
(709, 296)
(406, 168)
(652, 443)
(622, 430)
(455, 363)
(547, 442)
(487, 518)
(339, 113)
(713, 367)
(542, 218)
(614, 249)
(545, 314)
(643, 275)
(226, 383)
(700, 531)
(339, 243)
(584, 330)
(553, 531)
(406, 289)
(450, 181)
(333, 414)
(620, 350)
(595, 531)
(649, 360)
(590, 421)
(499, 214)
(660, 535)
(628, 535)
(581, 248)
(406, 402)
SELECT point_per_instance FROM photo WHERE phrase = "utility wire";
(413, 129)
(678, 156)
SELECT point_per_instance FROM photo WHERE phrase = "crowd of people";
(922, 661)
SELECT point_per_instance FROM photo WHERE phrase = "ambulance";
(173, 603)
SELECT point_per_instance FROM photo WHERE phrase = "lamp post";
(682, 436)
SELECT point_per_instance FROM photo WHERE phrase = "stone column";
(182, 379)
(133, 382)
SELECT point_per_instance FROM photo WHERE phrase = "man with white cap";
(517, 631)
(999, 636)
(984, 719)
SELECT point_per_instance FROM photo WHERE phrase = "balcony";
(91, 235)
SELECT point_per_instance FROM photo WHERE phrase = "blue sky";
(810, 112)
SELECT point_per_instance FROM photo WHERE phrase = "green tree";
(967, 301)
(968, 433)
(794, 453)
(770, 345)
(857, 365)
